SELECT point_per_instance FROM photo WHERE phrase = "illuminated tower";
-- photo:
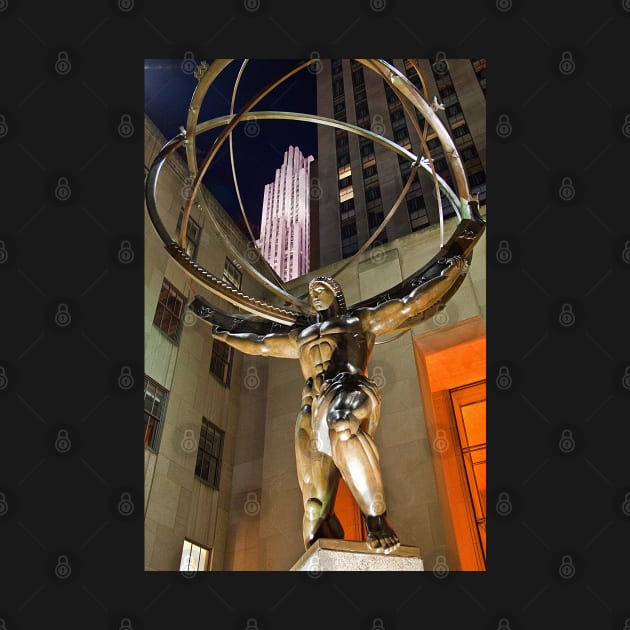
(285, 223)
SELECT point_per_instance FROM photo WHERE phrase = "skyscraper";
(360, 180)
(285, 223)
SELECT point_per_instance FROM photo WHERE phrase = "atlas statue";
(340, 408)
(333, 343)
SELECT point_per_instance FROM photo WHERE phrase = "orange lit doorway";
(451, 365)
(469, 407)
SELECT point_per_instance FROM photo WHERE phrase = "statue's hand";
(456, 266)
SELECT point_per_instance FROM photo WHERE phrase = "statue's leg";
(318, 478)
(355, 454)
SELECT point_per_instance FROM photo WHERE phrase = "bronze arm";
(273, 345)
(392, 314)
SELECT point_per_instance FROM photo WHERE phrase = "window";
(401, 135)
(221, 361)
(375, 219)
(194, 557)
(338, 87)
(359, 96)
(348, 230)
(349, 246)
(346, 181)
(369, 171)
(169, 310)
(193, 234)
(341, 141)
(155, 397)
(343, 157)
(336, 65)
(357, 78)
(373, 193)
(367, 148)
(231, 274)
(208, 466)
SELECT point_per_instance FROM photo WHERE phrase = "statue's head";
(326, 295)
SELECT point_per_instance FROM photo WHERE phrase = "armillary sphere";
(262, 317)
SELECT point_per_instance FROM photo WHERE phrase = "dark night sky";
(167, 93)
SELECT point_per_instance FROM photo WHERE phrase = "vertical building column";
(469, 93)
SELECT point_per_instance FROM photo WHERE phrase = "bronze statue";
(340, 405)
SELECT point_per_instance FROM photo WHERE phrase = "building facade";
(360, 180)
(285, 223)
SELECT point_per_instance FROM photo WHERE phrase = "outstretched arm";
(392, 314)
(283, 346)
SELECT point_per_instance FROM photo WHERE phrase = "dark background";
(557, 434)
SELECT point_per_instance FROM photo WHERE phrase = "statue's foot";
(381, 537)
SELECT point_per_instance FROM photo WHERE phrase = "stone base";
(328, 554)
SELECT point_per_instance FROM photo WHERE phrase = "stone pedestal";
(352, 555)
